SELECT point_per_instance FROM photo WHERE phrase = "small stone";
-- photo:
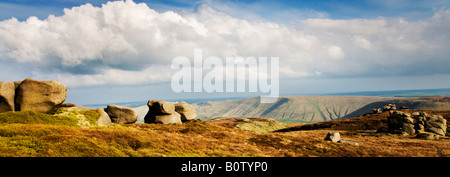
(333, 136)
(348, 142)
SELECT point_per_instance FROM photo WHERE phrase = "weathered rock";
(420, 128)
(121, 114)
(7, 93)
(159, 107)
(173, 118)
(427, 136)
(104, 119)
(40, 96)
(186, 111)
(16, 84)
(162, 112)
(435, 130)
(333, 136)
(408, 129)
(389, 107)
(377, 111)
(400, 122)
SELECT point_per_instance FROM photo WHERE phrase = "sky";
(121, 51)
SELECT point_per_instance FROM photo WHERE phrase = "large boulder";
(162, 112)
(436, 124)
(186, 111)
(40, 96)
(159, 107)
(121, 114)
(104, 119)
(173, 118)
(401, 122)
(7, 93)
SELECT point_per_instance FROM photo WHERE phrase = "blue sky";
(335, 9)
(125, 48)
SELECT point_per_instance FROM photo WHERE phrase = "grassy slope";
(366, 122)
(261, 125)
(36, 135)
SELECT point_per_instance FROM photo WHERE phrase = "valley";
(310, 109)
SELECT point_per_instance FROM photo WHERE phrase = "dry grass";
(200, 138)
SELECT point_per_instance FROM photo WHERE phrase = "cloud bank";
(128, 43)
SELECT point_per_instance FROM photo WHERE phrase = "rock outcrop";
(404, 123)
(7, 93)
(186, 111)
(39, 96)
(162, 112)
(389, 107)
(165, 112)
(121, 114)
(159, 107)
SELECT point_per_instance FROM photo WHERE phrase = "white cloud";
(362, 42)
(336, 52)
(129, 43)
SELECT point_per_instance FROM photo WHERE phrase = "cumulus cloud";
(130, 43)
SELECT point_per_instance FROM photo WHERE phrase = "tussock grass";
(31, 117)
(30, 134)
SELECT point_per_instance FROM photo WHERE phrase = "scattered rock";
(389, 107)
(404, 107)
(7, 93)
(377, 111)
(104, 119)
(333, 136)
(121, 114)
(40, 96)
(186, 111)
(336, 137)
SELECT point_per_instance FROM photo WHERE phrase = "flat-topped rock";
(121, 114)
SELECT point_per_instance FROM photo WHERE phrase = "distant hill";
(288, 108)
(418, 103)
(309, 109)
(400, 93)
